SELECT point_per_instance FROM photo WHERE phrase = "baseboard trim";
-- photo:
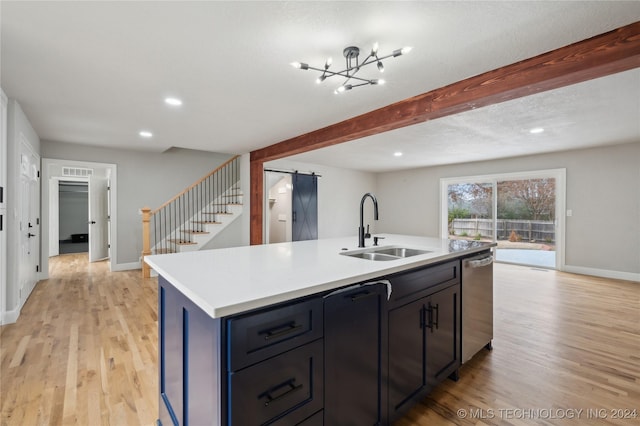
(604, 273)
(125, 266)
(9, 317)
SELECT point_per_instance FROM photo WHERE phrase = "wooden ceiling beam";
(599, 56)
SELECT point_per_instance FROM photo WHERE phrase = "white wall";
(603, 191)
(339, 195)
(3, 213)
(144, 179)
(17, 126)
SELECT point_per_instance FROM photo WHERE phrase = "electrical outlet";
(569, 213)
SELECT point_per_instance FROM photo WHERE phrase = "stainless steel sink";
(385, 253)
(401, 251)
(372, 256)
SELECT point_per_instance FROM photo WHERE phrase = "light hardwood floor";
(84, 351)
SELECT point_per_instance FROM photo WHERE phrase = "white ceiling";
(96, 73)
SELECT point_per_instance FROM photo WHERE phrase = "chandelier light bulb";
(406, 50)
(328, 63)
(380, 66)
(374, 49)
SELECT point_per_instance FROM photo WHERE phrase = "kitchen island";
(307, 332)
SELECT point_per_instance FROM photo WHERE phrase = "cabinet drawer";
(315, 420)
(284, 390)
(410, 285)
(261, 335)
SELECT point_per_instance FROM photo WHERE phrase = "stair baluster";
(176, 222)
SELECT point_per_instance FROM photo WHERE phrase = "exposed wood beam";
(599, 56)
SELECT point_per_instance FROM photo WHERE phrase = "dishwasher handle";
(479, 263)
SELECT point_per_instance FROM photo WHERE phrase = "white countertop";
(228, 281)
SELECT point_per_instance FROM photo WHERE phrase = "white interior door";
(98, 219)
(29, 221)
(54, 210)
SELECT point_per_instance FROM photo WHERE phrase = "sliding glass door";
(522, 212)
(525, 228)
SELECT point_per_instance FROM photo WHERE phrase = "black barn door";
(304, 207)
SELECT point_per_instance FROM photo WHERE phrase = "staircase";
(191, 219)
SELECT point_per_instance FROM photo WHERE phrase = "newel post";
(146, 240)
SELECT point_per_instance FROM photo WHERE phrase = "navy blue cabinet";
(355, 356)
(276, 364)
(189, 361)
(424, 333)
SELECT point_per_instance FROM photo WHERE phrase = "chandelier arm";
(349, 77)
(344, 74)
(384, 57)
(361, 84)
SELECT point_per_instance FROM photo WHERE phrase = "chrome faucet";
(361, 235)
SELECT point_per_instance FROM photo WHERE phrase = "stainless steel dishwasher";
(477, 304)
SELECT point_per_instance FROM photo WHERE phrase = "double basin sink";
(385, 253)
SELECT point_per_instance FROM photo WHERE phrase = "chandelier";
(353, 65)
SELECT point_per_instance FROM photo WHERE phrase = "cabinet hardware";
(270, 398)
(430, 313)
(281, 330)
(437, 316)
(360, 296)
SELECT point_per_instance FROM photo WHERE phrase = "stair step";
(216, 213)
(189, 231)
(232, 196)
(164, 251)
(183, 242)
(207, 222)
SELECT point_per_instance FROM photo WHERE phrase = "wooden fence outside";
(527, 230)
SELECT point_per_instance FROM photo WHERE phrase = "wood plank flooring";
(84, 351)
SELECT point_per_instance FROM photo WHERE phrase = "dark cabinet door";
(443, 335)
(353, 342)
(406, 355)
(424, 347)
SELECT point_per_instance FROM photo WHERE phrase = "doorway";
(73, 217)
(94, 221)
(291, 206)
(521, 212)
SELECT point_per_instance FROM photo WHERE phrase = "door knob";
(29, 235)
(93, 222)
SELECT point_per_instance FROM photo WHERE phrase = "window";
(522, 212)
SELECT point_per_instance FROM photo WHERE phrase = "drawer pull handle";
(280, 331)
(435, 308)
(290, 384)
(361, 296)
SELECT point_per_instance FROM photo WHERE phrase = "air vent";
(76, 172)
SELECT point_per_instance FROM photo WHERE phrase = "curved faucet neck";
(375, 216)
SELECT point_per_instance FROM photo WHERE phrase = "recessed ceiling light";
(145, 133)
(536, 130)
(397, 154)
(173, 101)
